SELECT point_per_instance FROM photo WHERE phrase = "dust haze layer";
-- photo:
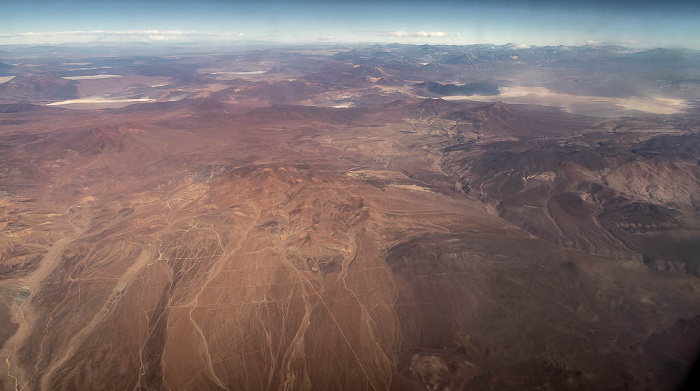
(313, 218)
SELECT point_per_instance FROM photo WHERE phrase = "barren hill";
(253, 236)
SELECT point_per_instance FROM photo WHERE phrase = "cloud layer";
(422, 34)
(114, 36)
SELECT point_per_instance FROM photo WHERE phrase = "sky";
(636, 23)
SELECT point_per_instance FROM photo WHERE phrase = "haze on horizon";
(538, 22)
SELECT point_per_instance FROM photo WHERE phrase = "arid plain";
(316, 218)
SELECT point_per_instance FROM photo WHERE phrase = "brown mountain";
(38, 87)
(235, 239)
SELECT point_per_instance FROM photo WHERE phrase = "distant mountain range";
(38, 87)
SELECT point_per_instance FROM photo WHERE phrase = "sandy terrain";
(592, 105)
(188, 233)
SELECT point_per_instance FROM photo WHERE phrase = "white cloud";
(326, 38)
(592, 42)
(425, 34)
(432, 34)
(112, 36)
